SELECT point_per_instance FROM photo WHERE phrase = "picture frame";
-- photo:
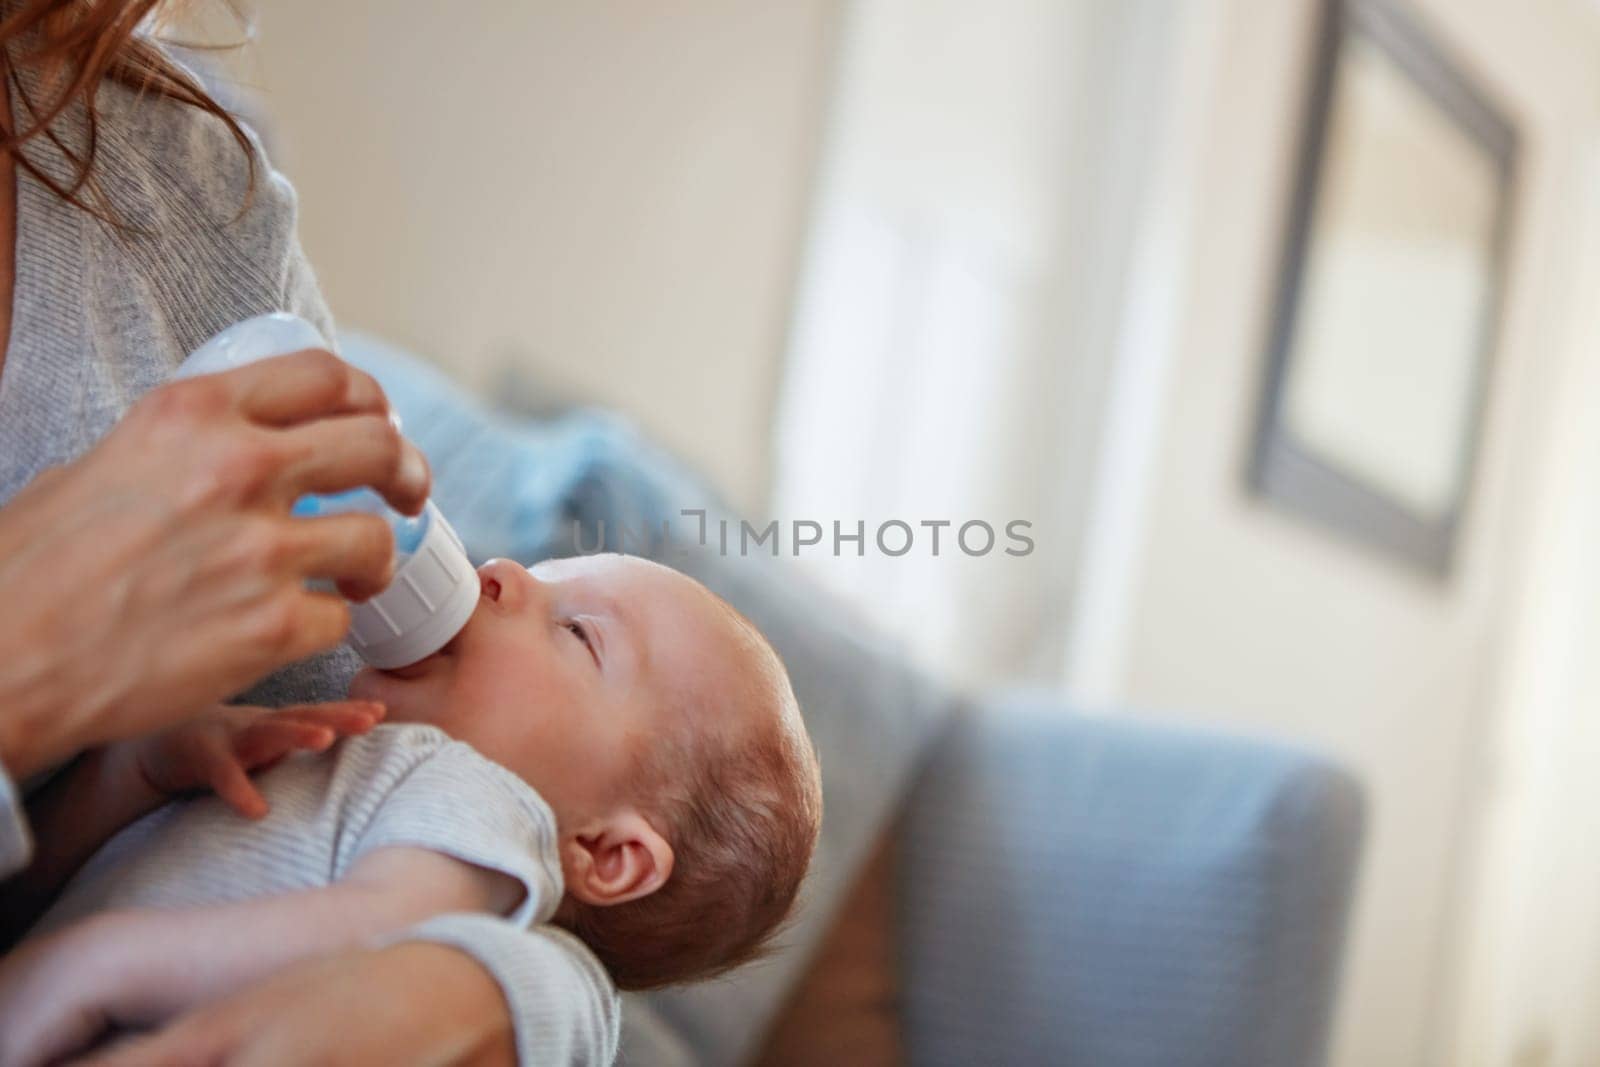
(1389, 299)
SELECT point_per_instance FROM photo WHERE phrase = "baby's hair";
(742, 810)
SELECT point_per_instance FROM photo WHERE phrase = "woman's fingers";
(204, 1039)
(244, 640)
(339, 419)
(356, 552)
(335, 454)
(303, 386)
(310, 623)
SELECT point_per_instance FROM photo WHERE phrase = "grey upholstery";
(1091, 891)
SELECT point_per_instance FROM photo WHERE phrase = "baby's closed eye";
(579, 630)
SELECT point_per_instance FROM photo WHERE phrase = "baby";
(607, 749)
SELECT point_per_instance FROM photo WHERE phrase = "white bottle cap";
(433, 594)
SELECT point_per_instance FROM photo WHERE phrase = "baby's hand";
(220, 748)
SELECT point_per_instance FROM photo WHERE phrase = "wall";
(1226, 612)
(983, 168)
(609, 191)
(1530, 966)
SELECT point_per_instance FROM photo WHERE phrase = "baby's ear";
(615, 860)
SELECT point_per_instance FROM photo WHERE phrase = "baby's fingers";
(228, 779)
(345, 717)
(269, 740)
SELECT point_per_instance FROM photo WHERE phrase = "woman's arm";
(410, 1005)
(462, 991)
(459, 990)
(141, 968)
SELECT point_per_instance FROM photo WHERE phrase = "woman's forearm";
(43, 706)
(414, 1003)
(140, 967)
(50, 699)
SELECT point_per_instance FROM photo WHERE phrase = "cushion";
(1096, 891)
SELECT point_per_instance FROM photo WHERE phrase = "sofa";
(1068, 887)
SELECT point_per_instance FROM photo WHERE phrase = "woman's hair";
(74, 47)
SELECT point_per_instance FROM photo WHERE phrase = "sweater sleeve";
(16, 843)
(563, 1006)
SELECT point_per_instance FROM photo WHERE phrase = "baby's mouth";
(491, 590)
(428, 663)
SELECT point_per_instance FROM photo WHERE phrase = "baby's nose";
(509, 584)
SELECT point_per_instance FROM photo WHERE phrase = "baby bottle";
(435, 587)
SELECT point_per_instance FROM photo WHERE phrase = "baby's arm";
(138, 968)
(108, 788)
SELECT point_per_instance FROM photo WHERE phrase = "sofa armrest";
(1093, 891)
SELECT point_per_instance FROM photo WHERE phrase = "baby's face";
(564, 668)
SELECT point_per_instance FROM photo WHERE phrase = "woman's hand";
(415, 1004)
(59, 993)
(46, 1011)
(220, 749)
(162, 572)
